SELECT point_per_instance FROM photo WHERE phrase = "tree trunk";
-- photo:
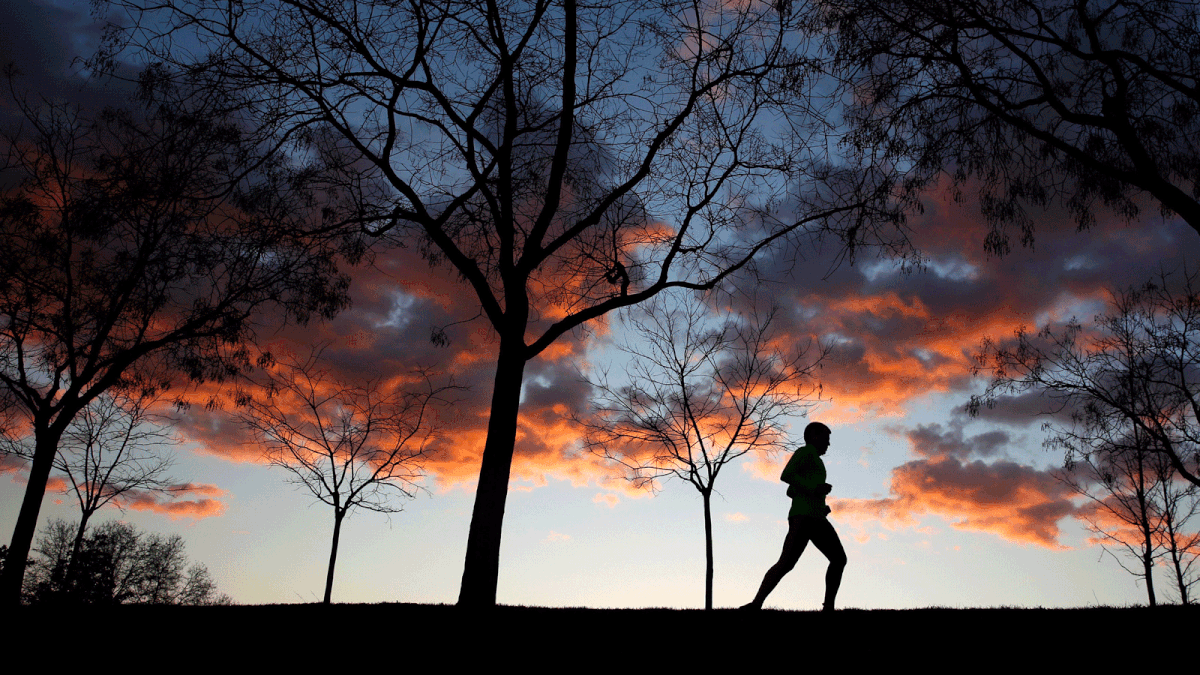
(1172, 542)
(1177, 567)
(482, 566)
(45, 448)
(76, 546)
(337, 534)
(1147, 551)
(708, 550)
(1144, 520)
(1148, 569)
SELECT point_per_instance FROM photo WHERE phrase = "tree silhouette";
(117, 565)
(1129, 384)
(351, 446)
(566, 159)
(1135, 372)
(1137, 507)
(112, 450)
(1180, 548)
(1084, 102)
(129, 238)
(695, 397)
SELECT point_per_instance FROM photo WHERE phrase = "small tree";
(127, 237)
(1121, 481)
(351, 446)
(697, 395)
(1129, 383)
(1137, 506)
(110, 451)
(1180, 548)
(117, 565)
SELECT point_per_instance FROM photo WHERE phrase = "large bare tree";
(155, 234)
(353, 446)
(699, 392)
(566, 159)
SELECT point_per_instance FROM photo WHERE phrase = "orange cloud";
(1108, 529)
(547, 446)
(1011, 500)
(608, 499)
(887, 304)
(766, 466)
(200, 508)
(196, 489)
(886, 351)
(896, 337)
(172, 506)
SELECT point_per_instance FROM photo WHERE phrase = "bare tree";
(111, 450)
(1137, 368)
(566, 159)
(1181, 548)
(1138, 506)
(160, 234)
(1082, 102)
(1128, 382)
(351, 446)
(698, 394)
(1120, 480)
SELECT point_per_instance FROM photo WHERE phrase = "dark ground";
(398, 637)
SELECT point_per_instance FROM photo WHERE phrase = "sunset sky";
(934, 507)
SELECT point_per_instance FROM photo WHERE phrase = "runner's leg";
(793, 546)
(825, 538)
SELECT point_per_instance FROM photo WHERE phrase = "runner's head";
(817, 435)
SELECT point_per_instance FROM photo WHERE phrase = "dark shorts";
(818, 530)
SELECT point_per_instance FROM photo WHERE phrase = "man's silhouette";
(807, 520)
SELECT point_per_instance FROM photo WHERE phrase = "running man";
(807, 520)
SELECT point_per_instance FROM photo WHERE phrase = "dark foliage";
(116, 565)
(1083, 103)
(141, 248)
